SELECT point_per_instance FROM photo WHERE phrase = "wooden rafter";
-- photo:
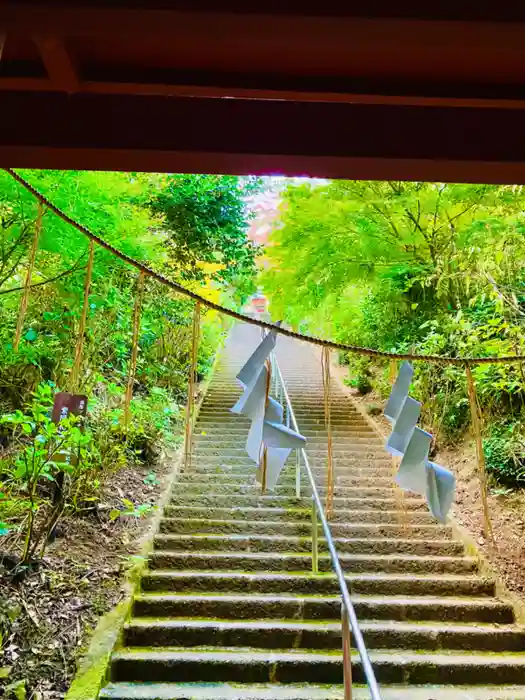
(58, 62)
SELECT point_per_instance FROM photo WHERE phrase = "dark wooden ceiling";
(378, 89)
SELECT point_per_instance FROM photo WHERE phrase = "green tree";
(206, 221)
(411, 267)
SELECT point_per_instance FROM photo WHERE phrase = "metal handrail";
(349, 615)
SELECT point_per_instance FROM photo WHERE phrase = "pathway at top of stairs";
(229, 609)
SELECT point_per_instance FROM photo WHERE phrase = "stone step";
(292, 583)
(362, 451)
(241, 500)
(263, 512)
(195, 487)
(281, 543)
(321, 634)
(218, 430)
(220, 418)
(223, 402)
(240, 665)
(245, 691)
(339, 442)
(352, 466)
(287, 478)
(184, 525)
(214, 404)
(256, 606)
(278, 561)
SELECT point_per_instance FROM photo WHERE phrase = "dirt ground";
(47, 620)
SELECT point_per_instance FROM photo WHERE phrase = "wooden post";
(190, 403)
(75, 372)
(475, 415)
(325, 366)
(315, 540)
(399, 496)
(264, 478)
(347, 654)
(27, 285)
(134, 347)
(298, 474)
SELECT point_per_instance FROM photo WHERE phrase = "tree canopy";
(409, 267)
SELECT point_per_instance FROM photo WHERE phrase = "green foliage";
(43, 450)
(192, 227)
(504, 451)
(205, 218)
(426, 268)
(359, 374)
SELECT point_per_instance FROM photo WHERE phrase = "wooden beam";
(398, 98)
(58, 62)
(248, 136)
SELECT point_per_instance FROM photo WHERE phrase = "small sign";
(260, 304)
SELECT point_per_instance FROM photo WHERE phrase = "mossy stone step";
(299, 528)
(257, 606)
(301, 583)
(357, 563)
(268, 500)
(199, 487)
(260, 666)
(321, 634)
(263, 512)
(245, 691)
(282, 543)
(231, 476)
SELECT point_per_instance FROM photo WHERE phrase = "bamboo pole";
(315, 539)
(79, 350)
(264, 457)
(399, 495)
(27, 285)
(325, 368)
(477, 426)
(134, 347)
(347, 657)
(190, 404)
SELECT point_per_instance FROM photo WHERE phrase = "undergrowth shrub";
(504, 449)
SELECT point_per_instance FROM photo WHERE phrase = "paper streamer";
(399, 392)
(267, 435)
(256, 361)
(416, 473)
(403, 427)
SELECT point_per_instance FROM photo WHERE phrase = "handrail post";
(347, 659)
(315, 543)
(298, 475)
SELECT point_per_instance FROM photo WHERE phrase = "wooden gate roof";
(370, 89)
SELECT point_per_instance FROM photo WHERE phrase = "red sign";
(260, 304)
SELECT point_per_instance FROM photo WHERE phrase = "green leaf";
(114, 514)
(4, 529)
(31, 335)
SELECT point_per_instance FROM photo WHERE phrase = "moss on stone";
(92, 670)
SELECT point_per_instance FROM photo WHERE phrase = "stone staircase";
(229, 608)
